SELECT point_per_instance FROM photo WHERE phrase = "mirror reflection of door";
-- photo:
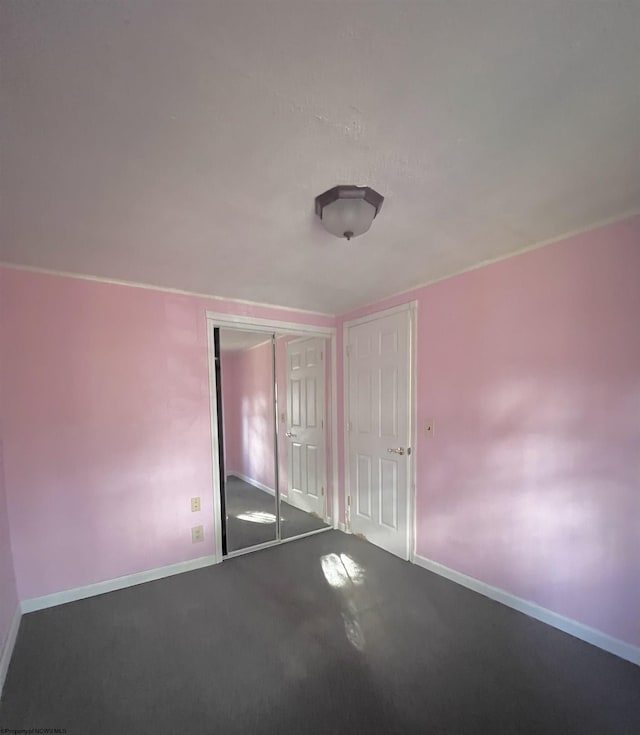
(247, 384)
(305, 432)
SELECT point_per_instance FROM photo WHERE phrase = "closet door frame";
(277, 328)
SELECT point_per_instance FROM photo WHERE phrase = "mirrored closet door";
(248, 453)
(273, 393)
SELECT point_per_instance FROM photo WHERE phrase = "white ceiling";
(182, 143)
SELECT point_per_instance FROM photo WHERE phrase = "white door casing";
(379, 367)
(306, 425)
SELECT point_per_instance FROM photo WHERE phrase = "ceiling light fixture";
(348, 211)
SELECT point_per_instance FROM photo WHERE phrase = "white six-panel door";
(378, 429)
(305, 425)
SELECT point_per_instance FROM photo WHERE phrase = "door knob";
(290, 434)
(396, 450)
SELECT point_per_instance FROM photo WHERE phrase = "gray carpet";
(263, 643)
(245, 506)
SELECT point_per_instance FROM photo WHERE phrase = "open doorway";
(272, 408)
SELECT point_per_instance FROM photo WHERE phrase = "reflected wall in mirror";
(248, 451)
(304, 396)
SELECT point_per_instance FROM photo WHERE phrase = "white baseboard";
(7, 651)
(255, 483)
(110, 585)
(567, 625)
(342, 527)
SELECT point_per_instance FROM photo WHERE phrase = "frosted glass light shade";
(348, 211)
(348, 216)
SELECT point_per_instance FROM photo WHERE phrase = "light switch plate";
(195, 505)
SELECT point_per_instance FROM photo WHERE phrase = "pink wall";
(107, 429)
(231, 409)
(531, 369)
(247, 384)
(233, 427)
